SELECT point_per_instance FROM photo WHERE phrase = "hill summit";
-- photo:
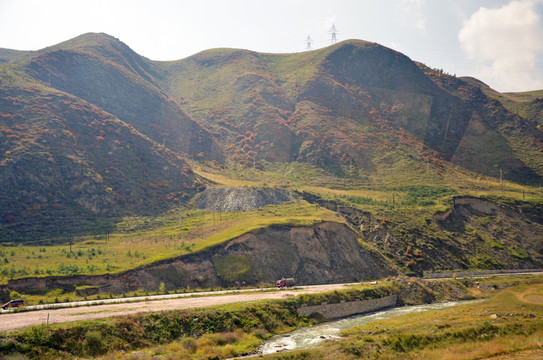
(91, 130)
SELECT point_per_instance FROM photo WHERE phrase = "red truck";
(13, 304)
(288, 282)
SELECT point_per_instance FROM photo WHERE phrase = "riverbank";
(506, 325)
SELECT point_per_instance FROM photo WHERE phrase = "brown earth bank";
(327, 252)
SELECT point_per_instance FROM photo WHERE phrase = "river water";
(313, 335)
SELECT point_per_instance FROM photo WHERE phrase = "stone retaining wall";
(343, 309)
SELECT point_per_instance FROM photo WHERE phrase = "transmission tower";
(333, 31)
(308, 42)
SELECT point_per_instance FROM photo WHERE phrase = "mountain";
(354, 105)
(104, 71)
(69, 165)
(91, 131)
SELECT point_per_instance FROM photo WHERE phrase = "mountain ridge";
(355, 110)
(343, 85)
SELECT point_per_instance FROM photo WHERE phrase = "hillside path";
(18, 320)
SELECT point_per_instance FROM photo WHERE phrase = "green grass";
(142, 241)
(197, 333)
(138, 241)
(526, 95)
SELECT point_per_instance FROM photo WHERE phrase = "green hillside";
(348, 107)
(105, 72)
(96, 140)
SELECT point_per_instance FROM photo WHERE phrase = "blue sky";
(498, 41)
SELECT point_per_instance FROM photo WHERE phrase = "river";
(313, 335)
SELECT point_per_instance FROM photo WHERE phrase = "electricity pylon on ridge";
(333, 31)
(308, 42)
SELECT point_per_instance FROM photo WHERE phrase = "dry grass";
(507, 324)
(486, 349)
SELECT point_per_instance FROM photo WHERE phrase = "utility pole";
(501, 180)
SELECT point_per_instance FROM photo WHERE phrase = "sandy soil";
(13, 321)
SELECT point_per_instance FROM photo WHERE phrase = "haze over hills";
(90, 127)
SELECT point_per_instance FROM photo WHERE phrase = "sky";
(500, 42)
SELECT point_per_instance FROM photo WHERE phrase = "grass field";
(140, 241)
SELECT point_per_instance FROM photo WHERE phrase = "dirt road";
(13, 321)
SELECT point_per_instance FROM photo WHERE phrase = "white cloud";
(506, 43)
(412, 11)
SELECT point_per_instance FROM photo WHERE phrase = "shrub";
(189, 344)
(93, 344)
(38, 336)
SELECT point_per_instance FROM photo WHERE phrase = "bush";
(189, 344)
(37, 336)
(93, 344)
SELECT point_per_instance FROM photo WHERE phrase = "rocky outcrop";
(242, 198)
(327, 252)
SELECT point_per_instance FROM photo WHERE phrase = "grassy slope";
(140, 241)
(69, 160)
(61, 149)
(354, 110)
(9, 54)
